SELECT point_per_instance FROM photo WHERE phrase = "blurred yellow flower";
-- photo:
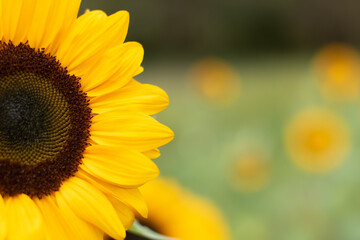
(175, 212)
(317, 140)
(249, 173)
(337, 68)
(216, 80)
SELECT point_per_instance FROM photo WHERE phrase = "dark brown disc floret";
(44, 122)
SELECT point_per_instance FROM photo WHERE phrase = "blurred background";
(264, 103)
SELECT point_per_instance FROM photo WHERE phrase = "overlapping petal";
(118, 165)
(153, 153)
(126, 216)
(24, 218)
(91, 206)
(56, 224)
(10, 15)
(83, 230)
(131, 197)
(131, 130)
(117, 67)
(145, 98)
(42, 23)
(90, 36)
(3, 222)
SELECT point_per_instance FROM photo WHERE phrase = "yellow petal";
(1, 25)
(21, 16)
(116, 68)
(3, 220)
(119, 166)
(153, 153)
(126, 216)
(131, 197)
(90, 205)
(146, 98)
(140, 70)
(41, 22)
(24, 218)
(130, 130)
(10, 17)
(79, 30)
(80, 229)
(90, 36)
(58, 227)
(57, 24)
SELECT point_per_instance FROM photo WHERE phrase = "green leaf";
(147, 233)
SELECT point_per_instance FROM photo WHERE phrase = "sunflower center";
(44, 122)
(21, 117)
(34, 118)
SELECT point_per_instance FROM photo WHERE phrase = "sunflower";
(318, 140)
(337, 71)
(175, 212)
(76, 137)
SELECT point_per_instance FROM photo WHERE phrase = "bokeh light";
(216, 80)
(317, 140)
(249, 173)
(337, 68)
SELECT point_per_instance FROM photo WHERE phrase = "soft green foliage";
(295, 204)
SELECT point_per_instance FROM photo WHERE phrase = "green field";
(294, 204)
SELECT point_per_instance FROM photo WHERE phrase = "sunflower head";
(44, 122)
(76, 135)
(317, 140)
